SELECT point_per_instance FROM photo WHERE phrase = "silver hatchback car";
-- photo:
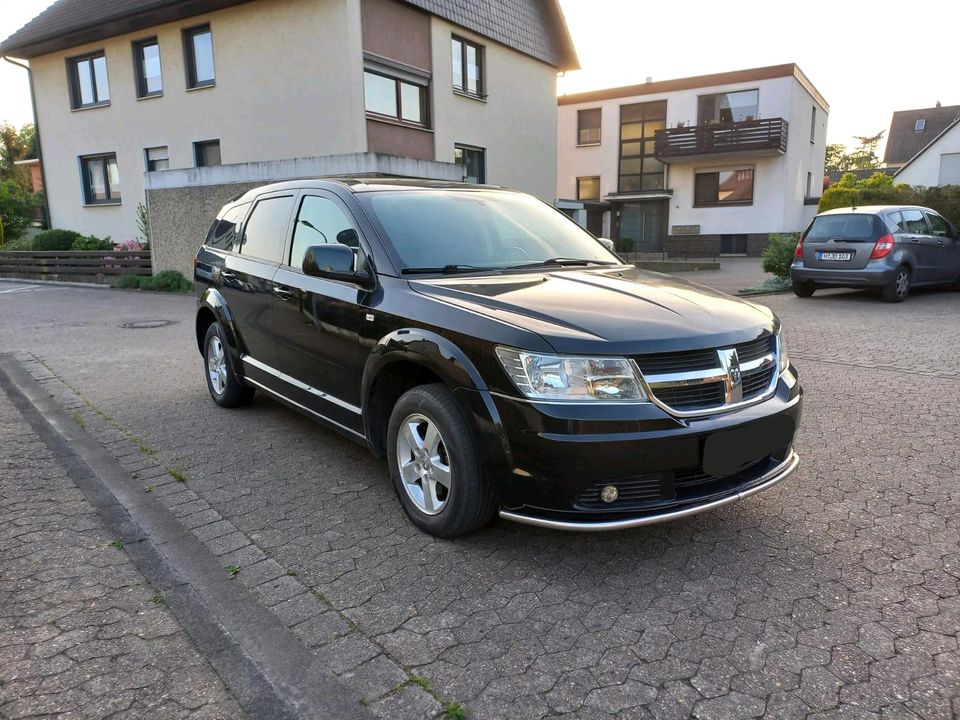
(889, 247)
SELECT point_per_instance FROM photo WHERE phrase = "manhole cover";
(145, 324)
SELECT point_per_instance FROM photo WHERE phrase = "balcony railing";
(759, 137)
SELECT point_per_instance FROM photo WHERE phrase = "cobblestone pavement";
(833, 595)
(82, 634)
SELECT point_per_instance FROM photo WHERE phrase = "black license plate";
(727, 451)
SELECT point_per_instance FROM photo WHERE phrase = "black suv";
(495, 353)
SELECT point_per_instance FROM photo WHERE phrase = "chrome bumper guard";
(771, 478)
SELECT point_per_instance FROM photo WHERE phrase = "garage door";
(950, 169)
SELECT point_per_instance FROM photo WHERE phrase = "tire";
(898, 288)
(804, 289)
(460, 501)
(225, 386)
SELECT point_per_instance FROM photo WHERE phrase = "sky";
(867, 58)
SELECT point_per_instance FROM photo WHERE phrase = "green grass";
(148, 488)
(233, 570)
(158, 600)
(422, 682)
(118, 544)
(78, 419)
(455, 711)
(177, 475)
(292, 573)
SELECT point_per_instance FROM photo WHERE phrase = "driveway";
(835, 593)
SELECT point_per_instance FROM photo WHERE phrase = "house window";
(207, 153)
(101, 179)
(157, 158)
(723, 187)
(395, 98)
(146, 59)
(198, 48)
(639, 169)
(730, 107)
(467, 66)
(588, 188)
(809, 184)
(920, 125)
(473, 160)
(813, 125)
(88, 80)
(588, 127)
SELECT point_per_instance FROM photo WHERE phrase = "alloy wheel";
(217, 366)
(424, 464)
(903, 283)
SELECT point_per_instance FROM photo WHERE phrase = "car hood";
(620, 310)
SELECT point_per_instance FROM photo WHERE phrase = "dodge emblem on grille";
(730, 362)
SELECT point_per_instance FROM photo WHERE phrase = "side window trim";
(253, 206)
(365, 249)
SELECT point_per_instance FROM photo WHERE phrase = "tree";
(16, 145)
(862, 157)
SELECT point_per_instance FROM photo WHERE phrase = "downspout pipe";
(36, 130)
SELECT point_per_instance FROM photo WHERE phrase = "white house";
(938, 163)
(702, 165)
(125, 87)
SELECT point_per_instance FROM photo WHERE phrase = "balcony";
(749, 138)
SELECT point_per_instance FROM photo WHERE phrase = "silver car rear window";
(852, 228)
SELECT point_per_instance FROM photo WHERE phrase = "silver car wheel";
(903, 283)
(217, 365)
(424, 464)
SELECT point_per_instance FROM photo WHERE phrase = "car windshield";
(479, 230)
(851, 228)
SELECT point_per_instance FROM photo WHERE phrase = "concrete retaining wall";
(183, 203)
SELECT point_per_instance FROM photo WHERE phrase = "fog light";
(609, 494)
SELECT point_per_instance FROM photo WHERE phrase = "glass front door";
(642, 226)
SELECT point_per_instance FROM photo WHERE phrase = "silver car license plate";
(835, 255)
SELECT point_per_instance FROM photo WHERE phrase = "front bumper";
(782, 471)
(548, 462)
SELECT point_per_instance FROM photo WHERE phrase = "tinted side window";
(913, 222)
(894, 221)
(266, 230)
(321, 221)
(223, 233)
(940, 227)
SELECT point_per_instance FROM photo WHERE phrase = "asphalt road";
(833, 594)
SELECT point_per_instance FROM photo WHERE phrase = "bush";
(1, 231)
(55, 240)
(17, 208)
(91, 242)
(166, 281)
(778, 256)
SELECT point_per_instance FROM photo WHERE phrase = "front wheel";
(899, 286)
(226, 388)
(803, 289)
(434, 464)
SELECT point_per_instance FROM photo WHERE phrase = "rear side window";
(894, 221)
(940, 226)
(913, 222)
(223, 232)
(265, 233)
(850, 228)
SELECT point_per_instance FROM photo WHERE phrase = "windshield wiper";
(561, 262)
(445, 270)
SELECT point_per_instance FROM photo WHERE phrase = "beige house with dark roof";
(128, 87)
(913, 130)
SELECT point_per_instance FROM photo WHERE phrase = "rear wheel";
(226, 388)
(434, 464)
(803, 289)
(899, 286)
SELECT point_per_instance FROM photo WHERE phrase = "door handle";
(282, 293)
(940, 243)
(915, 239)
(227, 275)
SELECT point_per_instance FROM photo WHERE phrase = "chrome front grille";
(698, 382)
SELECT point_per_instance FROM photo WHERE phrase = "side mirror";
(334, 262)
(606, 242)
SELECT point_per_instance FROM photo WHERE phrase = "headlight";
(784, 360)
(554, 377)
